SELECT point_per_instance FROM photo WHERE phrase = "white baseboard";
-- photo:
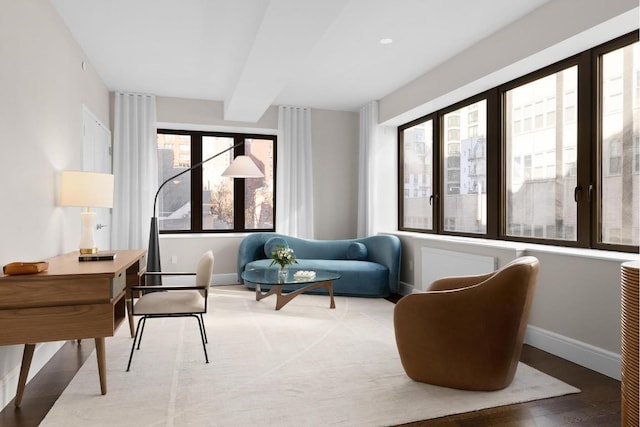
(405, 289)
(224, 279)
(583, 354)
(41, 355)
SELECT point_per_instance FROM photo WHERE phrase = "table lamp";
(87, 190)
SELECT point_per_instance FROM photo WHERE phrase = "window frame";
(492, 177)
(587, 166)
(583, 162)
(596, 153)
(238, 183)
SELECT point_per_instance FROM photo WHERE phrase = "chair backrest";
(204, 270)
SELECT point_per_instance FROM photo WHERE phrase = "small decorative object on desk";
(304, 274)
(16, 268)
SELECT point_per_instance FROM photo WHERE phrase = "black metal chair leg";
(144, 323)
(203, 329)
(133, 344)
(202, 335)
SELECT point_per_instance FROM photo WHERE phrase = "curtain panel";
(367, 142)
(135, 169)
(294, 174)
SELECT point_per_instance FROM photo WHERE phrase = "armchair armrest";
(167, 288)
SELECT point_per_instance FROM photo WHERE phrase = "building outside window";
(618, 220)
(464, 174)
(417, 158)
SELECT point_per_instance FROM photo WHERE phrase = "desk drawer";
(118, 284)
(33, 325)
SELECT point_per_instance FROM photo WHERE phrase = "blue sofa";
(369, 266)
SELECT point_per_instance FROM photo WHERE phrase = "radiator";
(439, 263)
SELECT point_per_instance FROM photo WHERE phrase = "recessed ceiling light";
(386, 41)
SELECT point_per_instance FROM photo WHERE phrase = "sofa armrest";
(385, 249)
(251, 248)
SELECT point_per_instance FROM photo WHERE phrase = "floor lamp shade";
(87, 190)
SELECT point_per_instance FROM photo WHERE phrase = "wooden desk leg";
(27, 356)
(102, 364)
(129, 304)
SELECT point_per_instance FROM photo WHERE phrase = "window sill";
(520, 246)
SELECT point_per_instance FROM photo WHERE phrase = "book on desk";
(99, 256)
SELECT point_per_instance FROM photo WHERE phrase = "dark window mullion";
(436, 210)
(196, 183)
(493, 164)
(585, 138)
(238, 189)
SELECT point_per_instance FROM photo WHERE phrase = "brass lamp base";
(89, 251)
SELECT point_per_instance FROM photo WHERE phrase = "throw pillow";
(270, 245)
(357, 251)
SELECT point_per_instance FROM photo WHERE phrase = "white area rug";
(302, 365)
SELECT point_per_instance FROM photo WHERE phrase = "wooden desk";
(71, 300)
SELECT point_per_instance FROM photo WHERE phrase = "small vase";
(282, 274)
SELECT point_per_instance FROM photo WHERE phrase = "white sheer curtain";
(367, 144)
(135, 166)
(294, 204)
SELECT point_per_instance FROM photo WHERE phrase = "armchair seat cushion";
(170, 302)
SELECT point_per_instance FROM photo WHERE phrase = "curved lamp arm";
(153, 254)
(155, 199)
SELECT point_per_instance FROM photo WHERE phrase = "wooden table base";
(283, 299)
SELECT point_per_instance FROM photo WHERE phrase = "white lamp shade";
(243, 167)
(86, 189)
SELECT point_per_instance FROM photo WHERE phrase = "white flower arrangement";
(282, 256)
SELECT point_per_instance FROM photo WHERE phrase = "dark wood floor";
(597, 405)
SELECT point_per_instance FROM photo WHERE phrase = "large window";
(552, 157)
(220, 203)
(539, 182)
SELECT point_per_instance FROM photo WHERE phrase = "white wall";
(334, 137)
(555, 31)
(335, 173)
(42, 90)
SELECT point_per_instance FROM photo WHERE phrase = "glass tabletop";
(270, 276)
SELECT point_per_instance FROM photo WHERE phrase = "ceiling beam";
(288, 33)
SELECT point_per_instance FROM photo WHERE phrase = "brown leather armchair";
(466, 332)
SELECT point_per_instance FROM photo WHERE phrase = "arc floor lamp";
(241, 167)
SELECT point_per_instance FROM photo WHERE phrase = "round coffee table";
(292, 285)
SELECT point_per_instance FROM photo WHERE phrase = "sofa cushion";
(357, 251)
(270, 245)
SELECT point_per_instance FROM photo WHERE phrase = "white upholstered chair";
(174, 301)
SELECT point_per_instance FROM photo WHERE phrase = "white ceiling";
(255, 53)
